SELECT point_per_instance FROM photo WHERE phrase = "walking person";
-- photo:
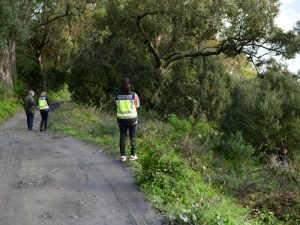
(30, 106)
(127, 104)
(44, 110)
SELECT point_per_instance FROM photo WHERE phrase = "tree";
(51, 23)
(44, 24)
(12, 28)
(199, 87)
(267, 112)
(238, 66)
(173, 30)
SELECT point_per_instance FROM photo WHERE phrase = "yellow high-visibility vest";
(125, 106)
(43, 103)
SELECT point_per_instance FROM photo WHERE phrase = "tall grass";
(62, 94)
(9, 104)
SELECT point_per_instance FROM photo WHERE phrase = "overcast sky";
(289, 15)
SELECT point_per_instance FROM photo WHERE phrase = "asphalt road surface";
(52, 179)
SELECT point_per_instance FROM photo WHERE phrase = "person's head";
(282, 151)
(125, 85)
(31, 93)
(43, 94)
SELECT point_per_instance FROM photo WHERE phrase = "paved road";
(51, 179)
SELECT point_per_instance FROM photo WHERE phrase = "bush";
(29, 73)
(200, 89)
(62, 94)
(181, 126)
(9, 104)
(267, 113)
(286, 206)
(236, 151)
(20, 88)
(55, 79)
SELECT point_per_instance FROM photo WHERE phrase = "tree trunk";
(5, 67)
(8, 71)
(12, 58)
(40, 62)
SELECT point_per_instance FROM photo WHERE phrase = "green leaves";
(264, 109)
(173, 30)
(11, 23)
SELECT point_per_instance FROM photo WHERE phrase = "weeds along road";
(51, 179)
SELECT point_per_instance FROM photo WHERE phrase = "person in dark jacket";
(127, 104)
(44, 110)
(30, 106)
(282, 157)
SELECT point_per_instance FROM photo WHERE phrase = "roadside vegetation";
(195, 172)
(60, 95)
(9, 104)
(170, 182)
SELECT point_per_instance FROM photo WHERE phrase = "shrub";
(62, 94)
(9, 104)
(267, 112)
(200, 89)
(20, 88)
(235, 150)
(29, 73)
(55, 79)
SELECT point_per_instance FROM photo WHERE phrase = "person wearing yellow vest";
(44, 110)
(127, 103)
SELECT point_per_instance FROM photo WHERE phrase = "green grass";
(171, 182)
(62, 94)
(9, 104)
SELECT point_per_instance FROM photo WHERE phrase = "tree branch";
(29, 56)
(48, 21)
(178, 56)
(147, 40)
(242, 41)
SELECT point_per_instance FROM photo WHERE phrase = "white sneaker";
(123, 158)
(133, 157)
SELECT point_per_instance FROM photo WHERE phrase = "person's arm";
(136, 101)
(32, 103)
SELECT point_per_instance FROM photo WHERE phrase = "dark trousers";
(30, 118)
(132, 134)
(44, 115)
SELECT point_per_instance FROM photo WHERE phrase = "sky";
(288, 16)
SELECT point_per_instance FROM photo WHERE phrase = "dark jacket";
(29, 104)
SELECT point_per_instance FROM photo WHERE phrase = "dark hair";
(125, 86)
(282, 151)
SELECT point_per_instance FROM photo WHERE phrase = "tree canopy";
(11, 21)
(175, 29)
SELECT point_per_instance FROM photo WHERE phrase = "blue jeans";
(30, 118)
(132, 135)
